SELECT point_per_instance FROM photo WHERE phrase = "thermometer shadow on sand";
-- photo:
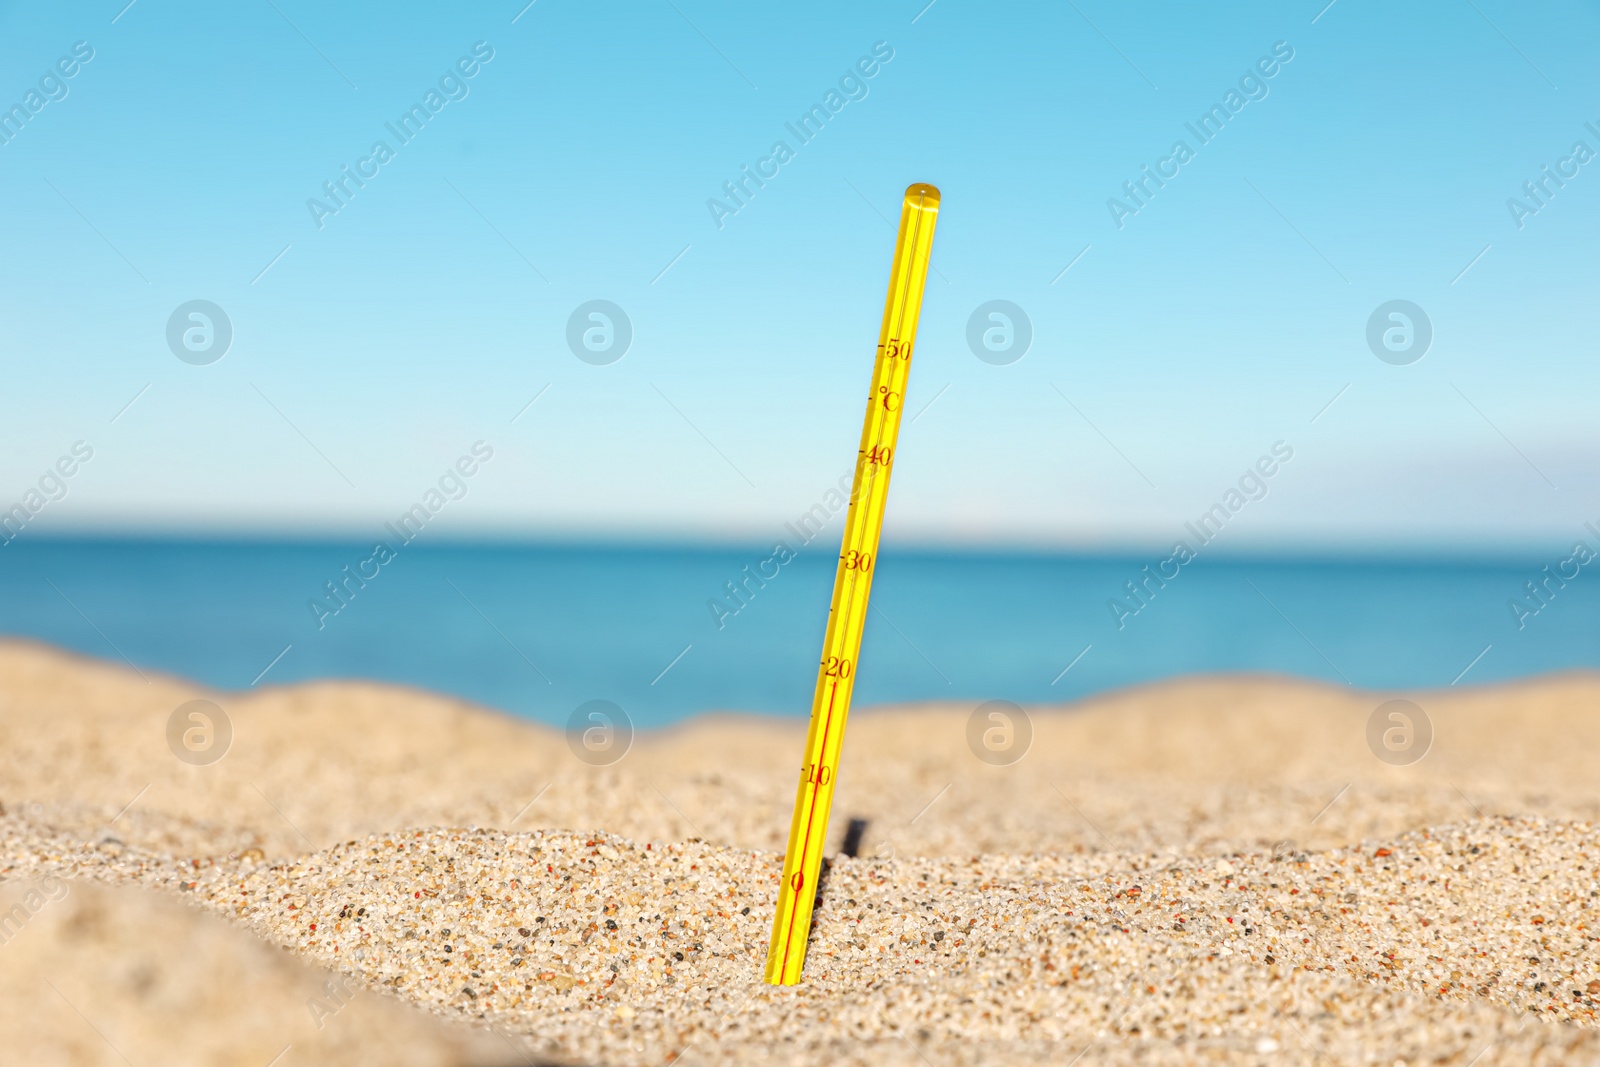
(852, 585)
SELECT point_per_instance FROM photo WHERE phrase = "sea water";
(669, 631)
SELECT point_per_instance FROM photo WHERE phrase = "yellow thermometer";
(852, 584)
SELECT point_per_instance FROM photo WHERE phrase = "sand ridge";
(1215, 869)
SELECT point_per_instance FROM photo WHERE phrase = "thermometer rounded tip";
(922, 195)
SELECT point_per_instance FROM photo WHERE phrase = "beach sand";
(1207, 870)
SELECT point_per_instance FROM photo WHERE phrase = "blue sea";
(537, 629)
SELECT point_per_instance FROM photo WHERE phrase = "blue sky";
(371, 353)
